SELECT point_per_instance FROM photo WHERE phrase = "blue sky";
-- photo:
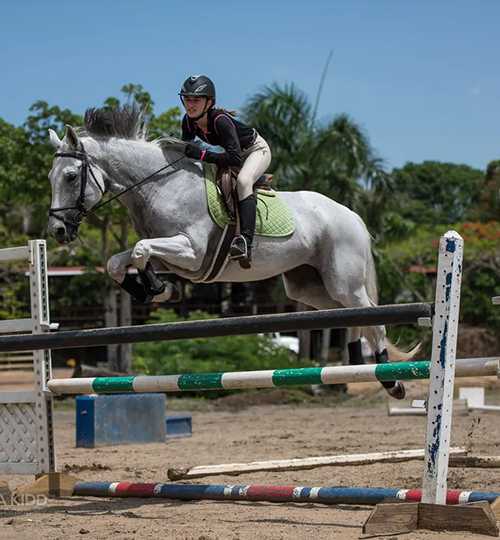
(422, 77)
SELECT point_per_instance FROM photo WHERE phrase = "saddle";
(225, 180)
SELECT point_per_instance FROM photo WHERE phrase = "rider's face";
(195, 105)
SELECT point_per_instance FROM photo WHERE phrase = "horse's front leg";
(176, 250)
(119, 264)
(117, 268)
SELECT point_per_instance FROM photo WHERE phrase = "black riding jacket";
(222, 130)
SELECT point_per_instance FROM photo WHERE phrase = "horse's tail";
(371, 278)
(395, 353)
(401, 355)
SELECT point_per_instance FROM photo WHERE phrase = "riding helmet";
(198, 85)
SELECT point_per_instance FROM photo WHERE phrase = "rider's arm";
(224, 127)
(187, 133)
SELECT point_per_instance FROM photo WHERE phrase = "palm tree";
(334, 158)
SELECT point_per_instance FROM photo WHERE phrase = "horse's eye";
(71, 177)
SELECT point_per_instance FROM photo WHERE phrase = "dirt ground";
(224, 434)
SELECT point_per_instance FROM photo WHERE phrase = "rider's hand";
(193, 151)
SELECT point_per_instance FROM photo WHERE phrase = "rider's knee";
(245, 179)
(245, 186)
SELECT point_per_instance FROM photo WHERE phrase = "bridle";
(81, 211)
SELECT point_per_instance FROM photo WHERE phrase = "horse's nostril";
(60, 232)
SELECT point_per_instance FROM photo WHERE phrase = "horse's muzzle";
(62, 232)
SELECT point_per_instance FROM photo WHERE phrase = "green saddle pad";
(274, 215)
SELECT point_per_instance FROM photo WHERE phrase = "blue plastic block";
(179, 425)
(104, 420)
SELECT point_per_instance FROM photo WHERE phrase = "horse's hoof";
(398, 391)
(171, 295)
(176, 294)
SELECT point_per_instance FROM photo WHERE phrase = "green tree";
(437, 193)
(488, 207)
(407, 274)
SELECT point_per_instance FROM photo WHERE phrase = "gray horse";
(326, 263)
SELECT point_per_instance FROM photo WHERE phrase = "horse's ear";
(54, 139)
(71, 137)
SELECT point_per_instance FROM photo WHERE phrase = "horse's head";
(77, 183)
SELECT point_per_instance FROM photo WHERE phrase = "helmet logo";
(200, 88)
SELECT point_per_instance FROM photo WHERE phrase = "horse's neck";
(129, 162)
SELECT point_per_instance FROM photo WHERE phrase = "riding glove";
(193, 151)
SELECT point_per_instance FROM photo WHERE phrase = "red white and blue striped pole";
(324, 495)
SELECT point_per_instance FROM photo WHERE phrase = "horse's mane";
(125, 122)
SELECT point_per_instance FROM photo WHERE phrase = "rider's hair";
(232, 113)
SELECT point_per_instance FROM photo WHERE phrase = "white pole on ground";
(442, 369)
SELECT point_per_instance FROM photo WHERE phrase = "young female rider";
(244, 148)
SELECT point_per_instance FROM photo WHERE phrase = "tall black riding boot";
(241, 246)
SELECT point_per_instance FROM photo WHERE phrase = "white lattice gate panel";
(26, 423)
(18, 438)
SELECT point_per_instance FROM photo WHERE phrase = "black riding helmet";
(198, 85)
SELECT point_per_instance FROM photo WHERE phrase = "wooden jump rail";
(231, 326)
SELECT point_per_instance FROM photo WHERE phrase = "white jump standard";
(26, 425)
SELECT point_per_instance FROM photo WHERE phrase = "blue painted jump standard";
(442, 368)
(324, 495)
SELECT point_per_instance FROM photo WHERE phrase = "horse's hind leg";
(306, 285)
(376, 337)
(354, 347)
(351, 293)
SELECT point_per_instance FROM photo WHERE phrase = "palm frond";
(281, 115)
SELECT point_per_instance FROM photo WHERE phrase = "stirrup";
(241, 251)
(238, 249)
(246, 262)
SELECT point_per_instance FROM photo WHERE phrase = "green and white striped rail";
(267, 379)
